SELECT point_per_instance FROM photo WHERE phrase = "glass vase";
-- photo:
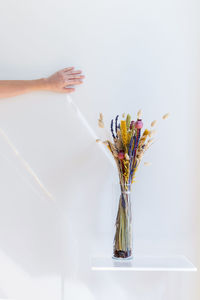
(123, 239)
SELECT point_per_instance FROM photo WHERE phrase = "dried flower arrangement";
(127, 148)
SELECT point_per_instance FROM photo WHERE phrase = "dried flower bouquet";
(128, 146)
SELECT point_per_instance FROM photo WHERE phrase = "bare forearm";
(11, 88)
(62, 81)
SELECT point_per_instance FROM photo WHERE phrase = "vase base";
(122, 259)
(122, 255)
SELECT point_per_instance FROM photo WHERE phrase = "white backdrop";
(135, 54)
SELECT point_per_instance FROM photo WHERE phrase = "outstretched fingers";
(68, 90)
(68, 69)
(73, 76)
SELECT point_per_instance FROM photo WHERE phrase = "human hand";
(64, 80)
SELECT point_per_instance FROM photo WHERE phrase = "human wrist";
(42, 84)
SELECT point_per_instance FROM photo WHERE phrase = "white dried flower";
(166, 116)
(101, 124)
(148, 144)
(139, 114)
(152, 132)
(147, 164)
(150, 141)
(139, 156)
(100, 121)
(153, 123)
(127, 156)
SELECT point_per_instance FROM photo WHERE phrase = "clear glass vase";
(123, 239)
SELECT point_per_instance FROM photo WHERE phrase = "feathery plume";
(139, 114)
(147, 164)
(153, 123)
(100, 121)
(166, 116)
(128, 121)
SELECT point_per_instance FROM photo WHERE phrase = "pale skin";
(63, 81)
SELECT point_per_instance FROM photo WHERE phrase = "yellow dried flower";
(134, 172)
(146, 132)
(126, 170)
(143, 138)
(124, 133)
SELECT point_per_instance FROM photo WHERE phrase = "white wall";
(135, 54)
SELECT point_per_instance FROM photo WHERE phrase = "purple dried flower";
(138, 136)
(130, 146)
(132, 124)
(134, 148)
(111, 128)
(116, 125)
